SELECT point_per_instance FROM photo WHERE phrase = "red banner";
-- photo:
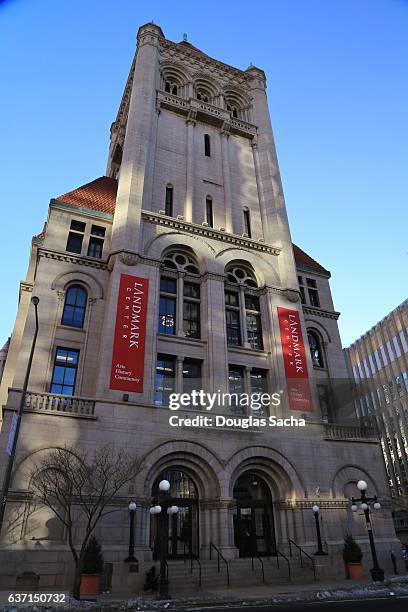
(294, 359)
(130, 332)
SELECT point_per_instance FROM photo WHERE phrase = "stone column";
(268, 178)
(134, 193)
(224, 135)
(179, 305)
(217, 357)
(226, 541)
(242, 318)
(179, 374)
(264, 218)
(188, 205)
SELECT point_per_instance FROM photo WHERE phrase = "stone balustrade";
(56, 404)
(334, 431)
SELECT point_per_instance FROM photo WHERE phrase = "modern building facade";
(378, 363)
(190, 220)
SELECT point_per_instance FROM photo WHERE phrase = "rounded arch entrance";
(254, 528)
(182, 528)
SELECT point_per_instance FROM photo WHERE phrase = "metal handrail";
(280, 554)
(192, 558)
(197, 560)
(301, 551)
(220, 555)
(262, 565)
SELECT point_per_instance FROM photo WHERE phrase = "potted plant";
(352, 556)
(92, 567)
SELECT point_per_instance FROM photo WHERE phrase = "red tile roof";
(99, 194)
(303, 258)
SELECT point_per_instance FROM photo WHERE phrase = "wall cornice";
(72, 259)
(321, 312)
(209, 232)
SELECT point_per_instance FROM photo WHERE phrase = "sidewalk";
(330, 590)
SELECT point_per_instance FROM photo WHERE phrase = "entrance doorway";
(254, 531)
(182, 527)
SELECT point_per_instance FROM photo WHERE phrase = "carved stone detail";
(291, 295)
(129, 259)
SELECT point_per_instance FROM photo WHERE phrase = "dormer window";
(76, 237)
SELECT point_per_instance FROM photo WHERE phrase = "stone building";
(192, 212)
(378, 364)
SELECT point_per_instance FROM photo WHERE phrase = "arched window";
(242, 309)
(315, 349)
(168, 207)
(179, 300)
(233, 110)
(74, 306)
(207, 145)
(170, 88)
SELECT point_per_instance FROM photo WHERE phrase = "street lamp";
(131, 556)
(163, 504)
(316, 512)
(376, 572)
(16, 422)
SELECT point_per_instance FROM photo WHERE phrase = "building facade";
(378, 364)
(192, 208)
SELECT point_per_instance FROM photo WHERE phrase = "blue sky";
(338, 95)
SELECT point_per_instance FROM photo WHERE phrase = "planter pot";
(355, 571)
(90, 584)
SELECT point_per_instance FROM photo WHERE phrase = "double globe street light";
(159, 508)
(376, 572)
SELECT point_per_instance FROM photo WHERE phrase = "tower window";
(209, 211)
(65, 371)
(313, 293)
(168, 209)
(75, 237)
(74, 306)
(96, 240)
(170, 88)
(232, 110)
(207, 145)
(247, 222)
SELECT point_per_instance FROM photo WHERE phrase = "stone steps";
(240, 572)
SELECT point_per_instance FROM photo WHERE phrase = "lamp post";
(162, 505)
(316, 513)
(131, 556)
(376, 572)
(17, 416)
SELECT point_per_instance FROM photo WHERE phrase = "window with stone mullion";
(253, 321)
